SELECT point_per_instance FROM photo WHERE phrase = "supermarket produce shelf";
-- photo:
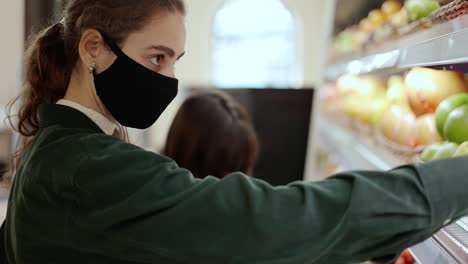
(357, 150)
(441, 45)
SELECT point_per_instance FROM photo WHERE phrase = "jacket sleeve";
(148, 204)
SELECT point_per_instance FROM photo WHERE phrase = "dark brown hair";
(212, 135)
(52, 54)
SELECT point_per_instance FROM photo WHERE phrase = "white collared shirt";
(101, 121)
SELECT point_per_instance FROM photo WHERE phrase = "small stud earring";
(92, 67)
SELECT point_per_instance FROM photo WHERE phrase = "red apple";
(427, 88)
(405, 258)
(408, 257)
(404, 130)
(425, 131)
(397, 125)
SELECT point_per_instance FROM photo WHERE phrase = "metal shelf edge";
(347, 146)
(444, 44)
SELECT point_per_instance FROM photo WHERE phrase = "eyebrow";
(167, 50)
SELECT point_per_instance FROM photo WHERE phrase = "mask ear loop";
(112, 45)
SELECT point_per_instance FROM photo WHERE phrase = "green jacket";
(81, 196)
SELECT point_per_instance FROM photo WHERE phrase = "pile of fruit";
(402, 111)
(395, 19)
(413, 124)
(353, 38)
(452, 124)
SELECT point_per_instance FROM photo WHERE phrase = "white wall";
(310, 19)
(195, 68)
(12, 45)
(322, 48)
(11, 50)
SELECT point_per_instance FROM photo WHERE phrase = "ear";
(92, 47)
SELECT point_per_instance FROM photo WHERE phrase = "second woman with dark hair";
(212, 135)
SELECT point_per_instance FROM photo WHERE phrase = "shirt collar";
(106, 125)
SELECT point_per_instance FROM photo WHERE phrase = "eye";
(156, 60)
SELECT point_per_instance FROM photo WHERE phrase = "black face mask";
(135, 95)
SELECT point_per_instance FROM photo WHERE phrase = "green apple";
(462, 150)
(456, 126)
(429, 152)
(446, 150)
(418, 9)
(447, 106)
(424, 131)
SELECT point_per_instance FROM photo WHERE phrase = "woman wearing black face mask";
(82, 195)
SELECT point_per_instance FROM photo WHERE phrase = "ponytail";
(46, 77)
(53, 53)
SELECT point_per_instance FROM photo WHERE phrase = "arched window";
(255, 45)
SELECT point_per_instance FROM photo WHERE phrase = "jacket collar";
(53, 114)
